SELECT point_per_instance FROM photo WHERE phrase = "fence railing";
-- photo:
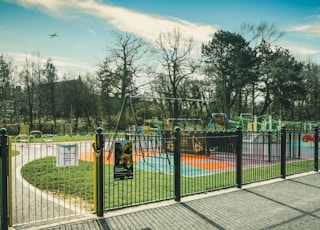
(4, 179)
(121, 170)
(300, 151)
(48, 180)
(152, 167)
(173, 164)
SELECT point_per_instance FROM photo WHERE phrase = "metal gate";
(49, 180)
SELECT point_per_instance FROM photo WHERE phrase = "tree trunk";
(267, 101)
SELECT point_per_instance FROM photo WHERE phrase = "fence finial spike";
(3, 131)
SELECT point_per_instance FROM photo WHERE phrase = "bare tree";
(264, 32)
(28, 82)
(119, 71)
(48, 90)
(121, 66)
(5, 86)
(175, 56)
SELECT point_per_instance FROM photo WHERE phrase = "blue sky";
(85, 26)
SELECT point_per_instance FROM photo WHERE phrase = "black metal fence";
(3, 179)
(152, 169)
(173, 164)
(144, 167)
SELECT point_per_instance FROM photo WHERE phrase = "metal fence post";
(299, 145)
(316, 149)
(269, 144)
(4, 179)
(176, 158)
(239, 157)
(99, 145)
(283, 152)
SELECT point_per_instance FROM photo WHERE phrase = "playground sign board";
(123, 164)
(67, 155)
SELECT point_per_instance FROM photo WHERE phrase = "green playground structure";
(249, 122)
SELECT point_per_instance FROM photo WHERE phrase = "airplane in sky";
(53, 35)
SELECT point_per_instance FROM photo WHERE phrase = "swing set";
(219, 121)
(184, 122)
(146, 142)
(157, 142)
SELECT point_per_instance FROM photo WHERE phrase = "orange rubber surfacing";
(193, 160)
(109, 156)
(203, 162)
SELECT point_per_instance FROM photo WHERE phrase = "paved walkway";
(293, 203)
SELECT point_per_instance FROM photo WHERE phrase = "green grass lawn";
(54, 138)
(43, 174)
(78, 181)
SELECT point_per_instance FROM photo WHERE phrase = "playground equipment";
(145, 142)
(310, 125)
(251, 123)
(309, 138)
(219, 121)
(188, 117)
(254, 131)
(138, 130)
(191, 143)
(183, 123)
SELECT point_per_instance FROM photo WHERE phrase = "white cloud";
(302, 52)
(301, 49)
(308, 46)
(146, 26)
(79, 46)
(91, 31)
(63, 64)
(312, 30)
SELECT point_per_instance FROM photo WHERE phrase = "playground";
(151, 154)
(148, 158)
(208, 140)
(207, 144)
(191, 165)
